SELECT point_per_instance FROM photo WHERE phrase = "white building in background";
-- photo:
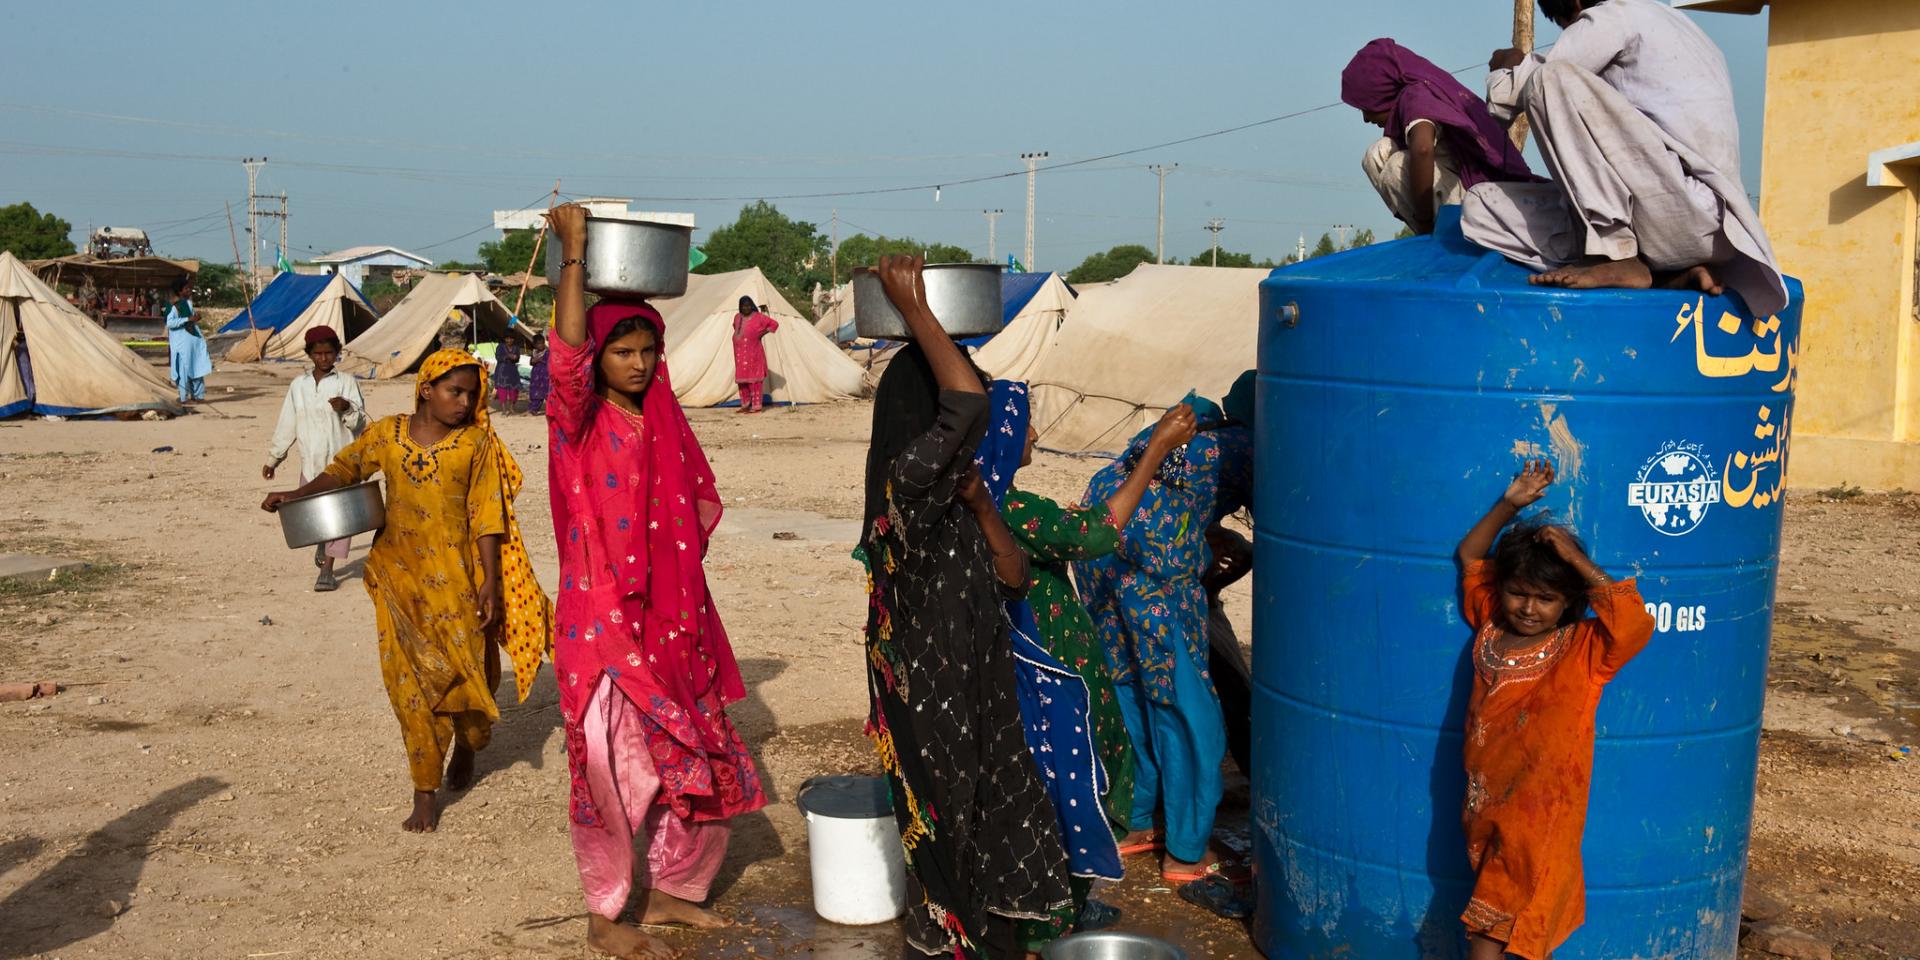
(612, 208)
(359, 263)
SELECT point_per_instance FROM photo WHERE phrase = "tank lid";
(845, 797)
(1443, 258)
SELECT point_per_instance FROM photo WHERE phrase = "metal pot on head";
(632, 258)
(965, 298)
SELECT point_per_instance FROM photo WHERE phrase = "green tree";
(792, 253)
(32, 235)
(861, 250)
(510, 254)
(218, 285)
(1362, 239)
(1111, 265)
(469, 266)
(1229, 258)
(1324, 247)
(1404, 233)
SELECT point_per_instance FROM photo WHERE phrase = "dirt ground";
(223, 777)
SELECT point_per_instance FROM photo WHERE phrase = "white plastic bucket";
(859, 871)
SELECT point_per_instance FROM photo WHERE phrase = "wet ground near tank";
(774, 918)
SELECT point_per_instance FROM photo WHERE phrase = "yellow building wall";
(1843, 80)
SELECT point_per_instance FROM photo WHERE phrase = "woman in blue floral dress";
(1149, 608)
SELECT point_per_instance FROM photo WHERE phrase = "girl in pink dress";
(643, 663)
(750, 325)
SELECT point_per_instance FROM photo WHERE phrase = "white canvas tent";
(1136, 347)
(803, 366)
(836, 311)
(79, 369)
(1015, 352)
(336, 306)
(411, 330)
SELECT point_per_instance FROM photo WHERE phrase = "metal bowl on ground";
(1110, 945)
(632, 258)
(334, 515)
(965, 298)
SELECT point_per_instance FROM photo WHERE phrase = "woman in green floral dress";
(1054, 536)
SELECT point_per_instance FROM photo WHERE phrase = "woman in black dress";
(979, 832)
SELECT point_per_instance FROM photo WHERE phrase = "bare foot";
(662, 908)
(460, 768)
(618, 940)
(1696, 278)
(1599, 275)
(1141, 840)
(426, 814)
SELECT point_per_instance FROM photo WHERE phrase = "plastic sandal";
(1219, 896)
(1096, 916)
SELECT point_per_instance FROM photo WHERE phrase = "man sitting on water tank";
(1634, 111)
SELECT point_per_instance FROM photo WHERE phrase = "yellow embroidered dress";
(424, 575)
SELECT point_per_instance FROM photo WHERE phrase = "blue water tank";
(1401, 385)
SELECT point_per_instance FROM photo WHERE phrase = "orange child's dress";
(1529, 760)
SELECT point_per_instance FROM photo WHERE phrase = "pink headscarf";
(1385, 77)
(655, 562)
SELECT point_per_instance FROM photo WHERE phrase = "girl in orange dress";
(1539, 666)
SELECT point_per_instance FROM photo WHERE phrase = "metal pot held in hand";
(333, 515)
(965, 298)
(632, 258)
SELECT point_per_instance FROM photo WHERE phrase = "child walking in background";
(1539, 665)
(506, 372)
(538, 383)
(323, 413)
(448, 574)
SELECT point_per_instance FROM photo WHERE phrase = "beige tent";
(1014, 353)
(336, 306)
(835, 309)
(411, 330)
(78, 368)
(802, 365)
(1136, 347)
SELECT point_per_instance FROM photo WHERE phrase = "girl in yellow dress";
(448, 574)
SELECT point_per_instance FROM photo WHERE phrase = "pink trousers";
(682, 857)
(753, 395)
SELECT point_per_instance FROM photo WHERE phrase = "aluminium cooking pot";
(965, 298)
(332, 515)
(632, 258)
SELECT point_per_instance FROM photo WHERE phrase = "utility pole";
(993, 217)
(253, 215)
(1160, 220)
(1214, 226)
(1523, 42)
(280, 212)
(1033, 162)
(1340, 231)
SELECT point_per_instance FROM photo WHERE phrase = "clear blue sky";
(407, 123)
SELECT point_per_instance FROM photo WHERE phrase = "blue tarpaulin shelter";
(282, 302)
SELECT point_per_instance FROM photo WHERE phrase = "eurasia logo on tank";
(1675, 488)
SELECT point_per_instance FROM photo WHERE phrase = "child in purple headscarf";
(1440, 138)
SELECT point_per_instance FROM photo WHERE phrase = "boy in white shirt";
(323, 412)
